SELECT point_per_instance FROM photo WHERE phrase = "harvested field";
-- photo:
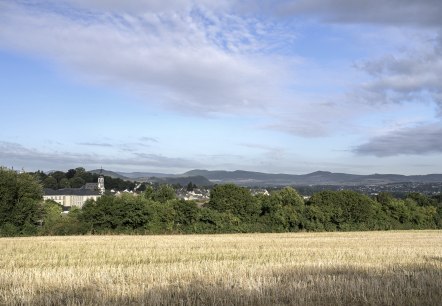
(354, 268)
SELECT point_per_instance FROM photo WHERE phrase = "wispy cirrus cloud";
(95, 144)
(272, 152)
(148, 139)
(142, 142)
(196, 61)
(208, 58)
(137, 6)
(191, 61)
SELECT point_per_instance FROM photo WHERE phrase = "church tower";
(100, 185)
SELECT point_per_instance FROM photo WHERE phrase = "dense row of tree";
(230, 209)
(76, 178)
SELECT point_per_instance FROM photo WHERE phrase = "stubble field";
(363, 268)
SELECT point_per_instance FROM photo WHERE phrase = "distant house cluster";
(197, 194)
(255, 192)
(203, 195)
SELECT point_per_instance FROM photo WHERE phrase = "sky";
(268, 86)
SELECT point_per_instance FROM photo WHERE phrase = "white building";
(71, 197)
(75, 197)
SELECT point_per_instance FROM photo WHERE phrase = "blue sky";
(269, 86)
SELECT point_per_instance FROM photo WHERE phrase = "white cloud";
(390, 12)
(407, 74)
(96, 144)
(137, 6)
(415, 76)
(207, 57)
(12, 153)
(171, 57)
(146, 139)
(418, 140)
(411, 70)
(195, 61)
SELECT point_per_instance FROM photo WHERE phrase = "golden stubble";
(361, 268)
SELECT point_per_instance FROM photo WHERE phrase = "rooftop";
(71, 191)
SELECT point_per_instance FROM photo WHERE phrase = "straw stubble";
(358, 268)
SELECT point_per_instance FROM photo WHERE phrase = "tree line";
(230, 209)
(78, 177)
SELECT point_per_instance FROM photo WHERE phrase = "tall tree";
(50, 182)
(236, 200)
(76, 182)
(283, 210)
(163, 194)
(58, 175)
(64, 183)
(80, 172)
(71, 173)
(20, 203)
(343, 210)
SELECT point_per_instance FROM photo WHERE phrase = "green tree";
(70, 224)
(438, 204)
(421, 199)
(186, 213)
(64, 183)
(76, 182)
(316, 218)
(8, 186)
(161, 217)
(80, 172)
(50, 182)
(20, 203)
(58, 175)
(212, 221)
(147, 194)
(384, 198)
(129, 212)
(51, 217)
(142, 188)
(342, 210)
(290, 197)
(71, 173)
(40, 175)
(191, 186)
(122, 214)
(293, 207)
(163, 194)
(283, 210)
(230, 198)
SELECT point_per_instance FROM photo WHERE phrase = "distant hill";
(250, 178)
(161, 178)
(183, 181)
(110, 173)
(137, 175)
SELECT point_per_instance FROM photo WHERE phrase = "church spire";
(100, 185)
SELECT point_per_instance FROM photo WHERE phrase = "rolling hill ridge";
(250, 178)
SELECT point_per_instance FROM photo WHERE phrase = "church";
(76, 197)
